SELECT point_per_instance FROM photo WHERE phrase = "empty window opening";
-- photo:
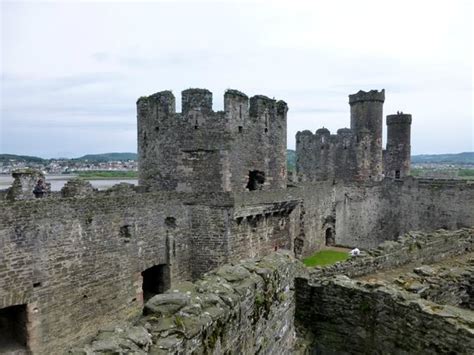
(157, 129)
(330, 241)
(125, 233)
(322, 147)
(13, 330)
(156, 280)
(170, 222)
(266, 129)
(37, 284)
(256, 180)
(240, 129)
(397, 174)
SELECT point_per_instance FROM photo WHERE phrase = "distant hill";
(5, 158)
(108, 157)
(457, 159)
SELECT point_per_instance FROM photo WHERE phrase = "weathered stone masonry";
(336, 313)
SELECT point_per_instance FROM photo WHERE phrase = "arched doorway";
(330, 239)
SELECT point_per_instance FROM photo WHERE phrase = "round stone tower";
(366, 123)
(397, 155)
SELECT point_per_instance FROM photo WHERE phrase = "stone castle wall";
(367, 215)
(77, 262)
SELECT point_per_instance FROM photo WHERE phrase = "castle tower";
(397, 156)
(242, 148)
(366, 123)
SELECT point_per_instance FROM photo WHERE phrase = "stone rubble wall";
(345, 316)
(244, 308)
(445, 284)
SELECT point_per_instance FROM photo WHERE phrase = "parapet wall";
(246, 308)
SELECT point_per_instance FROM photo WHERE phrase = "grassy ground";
(325, 257)
(106, 175)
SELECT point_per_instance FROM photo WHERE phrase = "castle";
(212, 191)
(356, 154)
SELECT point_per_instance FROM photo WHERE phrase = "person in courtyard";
(355, 252)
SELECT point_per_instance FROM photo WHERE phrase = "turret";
(366, 123)
(155, 116)
(397, 155)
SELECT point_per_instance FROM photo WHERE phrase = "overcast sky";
(72, 70)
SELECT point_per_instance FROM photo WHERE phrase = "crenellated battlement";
(236, 104)
(323, 132)
(399, 118)
(199, 100)
(372, 95)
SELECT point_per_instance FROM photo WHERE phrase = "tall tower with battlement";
(353, 154)
(366, 124)
(242, 148)
(397, 155)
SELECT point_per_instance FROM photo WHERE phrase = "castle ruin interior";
(203, 255)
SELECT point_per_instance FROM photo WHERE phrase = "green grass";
(325, 257)
(98, 175)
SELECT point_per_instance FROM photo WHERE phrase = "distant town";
(117, 164)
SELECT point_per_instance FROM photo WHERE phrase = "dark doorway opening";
(397, 174)
(156, 280)
(256, 180)
(330, 240)
(13, 331)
